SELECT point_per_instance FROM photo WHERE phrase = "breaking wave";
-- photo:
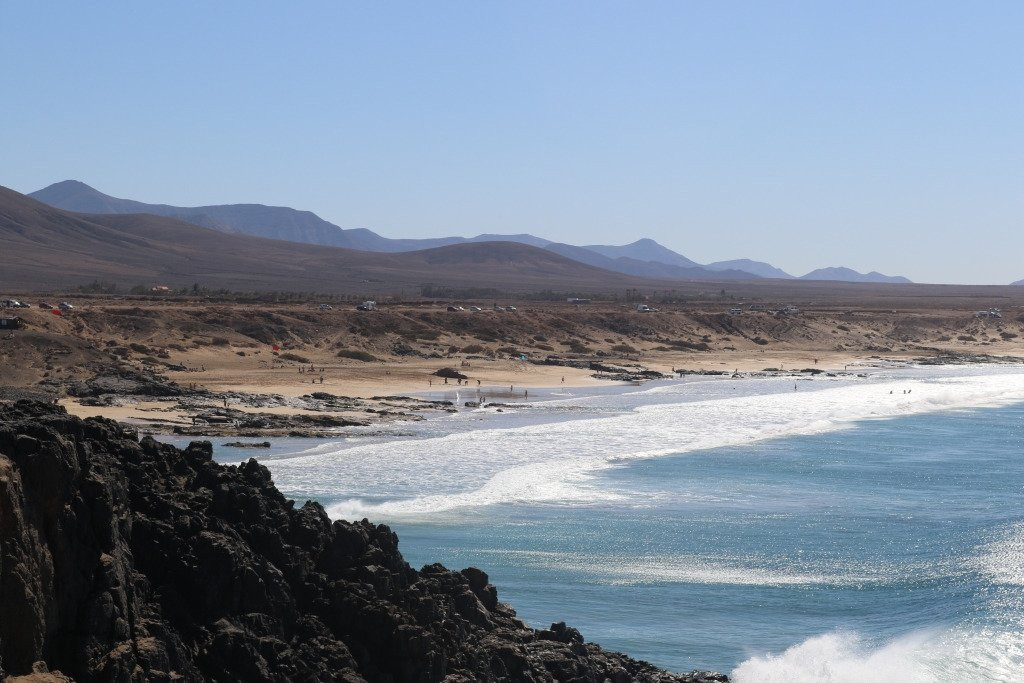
(556, 463)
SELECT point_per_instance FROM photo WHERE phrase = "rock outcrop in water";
(123, 560)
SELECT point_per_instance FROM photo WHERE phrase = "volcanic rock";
(129, 560)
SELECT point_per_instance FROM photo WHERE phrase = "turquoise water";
(890, 529)
(846, 530)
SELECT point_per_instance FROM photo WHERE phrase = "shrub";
(450, 373)
(579, 347)
(1007, 335)
(355, 354)
(966, 338)
(760, 341)
(684, 345)
(293, 357)
(473, 348)
(623, 348)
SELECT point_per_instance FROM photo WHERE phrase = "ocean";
(777, 529)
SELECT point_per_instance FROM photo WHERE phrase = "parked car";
(474, 308)
(65, 306)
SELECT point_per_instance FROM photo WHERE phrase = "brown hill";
(49, 249)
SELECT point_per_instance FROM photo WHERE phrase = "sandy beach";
(189, 365)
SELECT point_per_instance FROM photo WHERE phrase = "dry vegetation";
(233, 343)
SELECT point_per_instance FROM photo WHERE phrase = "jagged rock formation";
(123, 560)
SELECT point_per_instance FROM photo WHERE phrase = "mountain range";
(841, 274)
(642, 258)
(46, 249)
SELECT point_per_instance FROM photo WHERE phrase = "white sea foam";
(556, 462)
(949, 656)
(992, 652)
(647, 569)
(1002, 560)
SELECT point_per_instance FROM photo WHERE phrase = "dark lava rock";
(125, 381)
(450, 373)
(128, 560)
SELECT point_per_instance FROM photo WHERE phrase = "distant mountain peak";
(759, 268)
(644, 249)
(844, 274)
(71, 183)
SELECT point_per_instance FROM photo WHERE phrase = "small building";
(735, 311)
(367, 306)
(10, 323)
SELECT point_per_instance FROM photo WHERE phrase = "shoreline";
(274, 584)
(321, 414)
(252, 371)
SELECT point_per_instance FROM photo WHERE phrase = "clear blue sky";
(876, 135)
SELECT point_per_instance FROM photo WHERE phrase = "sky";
(876, 135)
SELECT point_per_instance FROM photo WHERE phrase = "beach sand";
(295, 350)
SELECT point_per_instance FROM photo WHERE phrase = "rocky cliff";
(128, 560)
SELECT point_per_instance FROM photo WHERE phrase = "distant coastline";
(272, 369)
